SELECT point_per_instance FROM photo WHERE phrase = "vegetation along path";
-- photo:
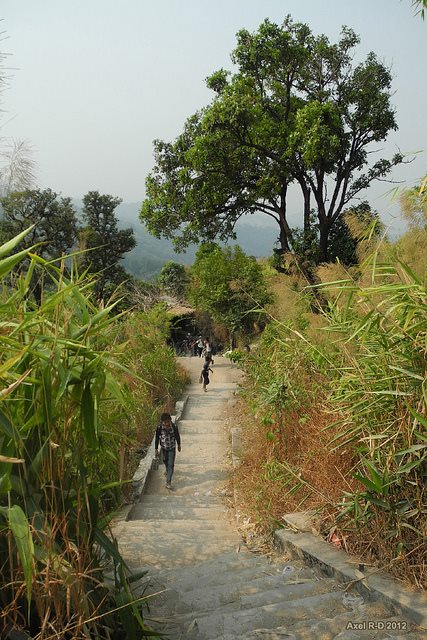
(208, 583)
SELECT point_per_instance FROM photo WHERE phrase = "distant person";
(167, 435)
(205, 374)
(208, 351)
(199, 346)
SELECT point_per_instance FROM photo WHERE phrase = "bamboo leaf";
(88, 414)
(7, 427)
(19, 526)
(7, 264)
(406, 468)
(415, 447)
(110, 547)
(366, 482)
(7, 247)
(421, 419)
(409, 271)
(95, 320)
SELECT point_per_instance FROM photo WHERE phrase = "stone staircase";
(240, 595)
(207, 583)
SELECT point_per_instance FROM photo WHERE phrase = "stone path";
(209, 585)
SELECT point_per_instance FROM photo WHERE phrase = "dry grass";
(301, 443)
(322, 476)
(287, 297)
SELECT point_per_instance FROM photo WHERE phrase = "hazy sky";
(94, 82)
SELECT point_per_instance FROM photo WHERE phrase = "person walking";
(205, 374)
(199, 346)
(208, 351)
(168, 437)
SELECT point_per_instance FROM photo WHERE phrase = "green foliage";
(174, 278)
(65, 401)
(104, 242)
(54, 221)
(421, 6)
(356, 225)
(295, 111)
(230, 286)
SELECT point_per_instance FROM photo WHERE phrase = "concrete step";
(207, 501)
(269, 616)
(173, 543)
(177, 512)
(231, 572)
(238, 594)
(305, 619)
(367, 625)
(169, 527)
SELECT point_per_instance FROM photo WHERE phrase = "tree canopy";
(54, 219)
(296, 111)
(174, 278)
(105, 242)
(229, 286)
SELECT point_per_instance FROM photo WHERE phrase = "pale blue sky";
(97, 80)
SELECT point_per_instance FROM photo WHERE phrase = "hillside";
(256, 238)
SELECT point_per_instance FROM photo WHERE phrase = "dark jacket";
(175, 433)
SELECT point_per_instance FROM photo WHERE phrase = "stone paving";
(209, 585)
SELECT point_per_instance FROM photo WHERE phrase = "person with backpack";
(168, 437)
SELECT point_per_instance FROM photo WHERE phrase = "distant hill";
(254, 235)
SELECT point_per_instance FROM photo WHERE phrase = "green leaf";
(366, 482)
(415, 447)
(89, 418)
(19, 526)
(421, 419)
(5, 484)
(95, 320)
(11, 244)
(110, 547)
(406, 468)
(411, 374)
(7, 264)
(7, 427)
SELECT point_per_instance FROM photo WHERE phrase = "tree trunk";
(285, 236)
(284, 241)
(306, 193)
(324, 229)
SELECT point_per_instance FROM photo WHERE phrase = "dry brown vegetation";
(305, 446)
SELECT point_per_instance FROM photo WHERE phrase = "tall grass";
(382, 390)
(62, 371)
(340, 420)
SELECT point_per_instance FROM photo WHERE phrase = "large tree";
(296, 111)
(105, 243)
